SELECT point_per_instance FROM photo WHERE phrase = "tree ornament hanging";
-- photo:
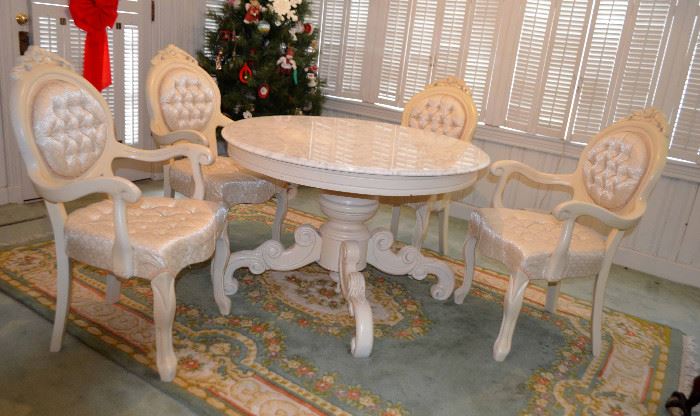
(219, 60)
(263, 27)
(308, 28)
(245, 74)
(225, 35)
(286, 9)
(253, 11)
(263, 91)
(288, 65)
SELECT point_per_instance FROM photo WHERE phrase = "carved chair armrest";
(571, 210)
(197, 154)
(58, 191)
(120, 190)
(505, 168)
(222, 120)
(169, 138)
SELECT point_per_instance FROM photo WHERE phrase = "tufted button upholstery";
(166, 234)
(224, 181)
(440, 114)
(187, 100)
(613, 167)
(70, 128)
(524, 240)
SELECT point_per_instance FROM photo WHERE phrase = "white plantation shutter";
(419, 53)
(131, 84)
(644, 55)
(354, 47)
(685, 140)
(529, 63)
(551, 40)
(562, 68)
(331, 42)
(481, 49)
(394, 47)
(449, 55)
(48, 33)
(623, 63)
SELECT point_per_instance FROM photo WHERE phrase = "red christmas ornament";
(225, 34)
(245, 74)
(308, 28)
(94, 16)
(264, 90)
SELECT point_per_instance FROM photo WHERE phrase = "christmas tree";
(263, 55)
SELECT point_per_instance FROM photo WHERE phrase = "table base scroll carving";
(410, 261)
(344, 245)
(352, 286)
(271, 255)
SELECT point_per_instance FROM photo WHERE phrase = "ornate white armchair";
(65, 134)
(444, 107)
(184, 104)
(616, 173)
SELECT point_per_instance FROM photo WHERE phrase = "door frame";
(16, 187)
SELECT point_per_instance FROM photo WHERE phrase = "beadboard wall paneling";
(665, 243)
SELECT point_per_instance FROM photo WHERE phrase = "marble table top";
(351, 145)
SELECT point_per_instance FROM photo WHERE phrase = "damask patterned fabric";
(70, 128)
(439, 114)
(223, 181)
(166, 234)
(525, 240)
(613, 168)
(186, 99)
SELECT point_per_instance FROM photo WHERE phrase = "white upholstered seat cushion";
(224, 181)
(166, 234)
(524, 240)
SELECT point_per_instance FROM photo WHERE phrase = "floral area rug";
(284, 348)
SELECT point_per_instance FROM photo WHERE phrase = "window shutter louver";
(330, 44)
(685, 140)
(451, 43)
(419, 59)
(562, 69)
(481, 49)
(131, 84)
(596, 81)
(212, 6)
(48, 33)
(354, 48)
(529, 64)
(644, 56)
(393, 57)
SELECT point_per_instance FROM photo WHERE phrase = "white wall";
(666, 243)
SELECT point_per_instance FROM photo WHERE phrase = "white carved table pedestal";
(365, 159)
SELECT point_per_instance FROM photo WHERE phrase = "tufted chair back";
(63, 125)
(444, 107)
(182, 96)
(621, 164)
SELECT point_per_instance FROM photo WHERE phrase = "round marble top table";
(354, 161)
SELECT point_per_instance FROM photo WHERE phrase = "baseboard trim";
(626, 257)
(657, 266)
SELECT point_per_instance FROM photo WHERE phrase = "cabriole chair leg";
(163, 314)
(511, 310)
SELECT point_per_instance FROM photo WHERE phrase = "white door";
(52, 28)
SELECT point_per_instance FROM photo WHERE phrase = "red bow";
(94, 16)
